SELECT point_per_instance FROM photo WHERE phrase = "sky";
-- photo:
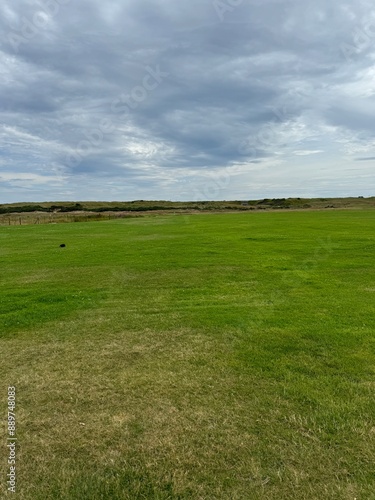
(188, 100)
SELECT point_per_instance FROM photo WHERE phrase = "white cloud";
(306, 152)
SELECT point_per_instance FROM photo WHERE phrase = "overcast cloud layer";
(196, 99)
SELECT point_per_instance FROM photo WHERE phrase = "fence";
(58, 218)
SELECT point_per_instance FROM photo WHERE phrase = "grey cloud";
(269, 75)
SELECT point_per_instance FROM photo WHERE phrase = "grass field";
(213, 356)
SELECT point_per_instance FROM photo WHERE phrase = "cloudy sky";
(187, 100)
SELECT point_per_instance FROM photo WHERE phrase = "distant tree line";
(39, 208)
(144, 205)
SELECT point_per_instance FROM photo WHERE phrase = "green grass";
(218, 356)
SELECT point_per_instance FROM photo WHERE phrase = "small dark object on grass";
(62, 245)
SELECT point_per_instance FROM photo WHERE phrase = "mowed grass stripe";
(202, 356)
